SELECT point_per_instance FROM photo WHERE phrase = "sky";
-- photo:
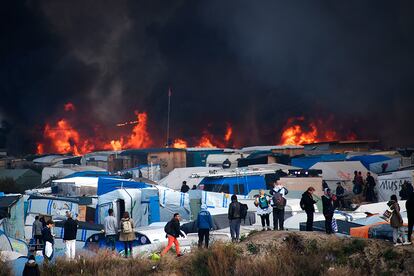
(250, 64)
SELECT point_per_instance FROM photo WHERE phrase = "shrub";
(5, 269)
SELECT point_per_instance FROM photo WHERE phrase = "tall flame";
(139, 137)
(229, 132)
(205, 142)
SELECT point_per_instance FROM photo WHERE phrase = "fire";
(229, 132)
(64, 139)
(180, 144)
(297, 132)
(205, 142)
(69, 106)
(139, 137)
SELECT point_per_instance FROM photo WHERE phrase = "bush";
(5, 269)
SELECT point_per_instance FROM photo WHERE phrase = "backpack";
(278, 200)
(243, 211)
(263, 203)
(167, 227)
(126, 227)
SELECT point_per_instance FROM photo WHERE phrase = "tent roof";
(106, 185)
(175, 178)
(15, 173)
(308, 161)
(7, 201)
(366, 160)
(339, 171)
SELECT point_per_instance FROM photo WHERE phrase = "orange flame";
(180, 144)
(65, 139)
(40, 148)
(205, 142)
(69, 106)
(295, 134)
(139, 137)
(229, 132)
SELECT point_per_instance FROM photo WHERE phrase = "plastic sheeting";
(106, 185)
(390, 184)
(173, 202)
(176, 177)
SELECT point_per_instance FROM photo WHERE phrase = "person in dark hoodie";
(306, 203)
(172, 229)
(48, 240)
(31, 268)
(409, 204)
(396, 222)
(234, 218)
(328, 209)
(204, 224)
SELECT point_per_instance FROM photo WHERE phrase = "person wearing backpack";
(262, 203)
(328, 209)
(234, 215)
(306, 203)
(278, 203)
(173, 231)
(127, 234)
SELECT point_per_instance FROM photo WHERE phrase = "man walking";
(69, 236)
(172, 229)
(278, 203)
(37, 232)
(111, 229)
(48, 240)
(234, 218)
(204, 224)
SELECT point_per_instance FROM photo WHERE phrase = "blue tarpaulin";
(309, 161)
(106, 185)
(88, 174)
(366, 160)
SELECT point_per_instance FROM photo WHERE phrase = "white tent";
(341, 171)
(176, 177)
(390, 183)
(77, 186)
(60, 171)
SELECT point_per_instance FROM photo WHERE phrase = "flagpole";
(168, 118)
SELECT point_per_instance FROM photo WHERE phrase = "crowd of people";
(274, 202)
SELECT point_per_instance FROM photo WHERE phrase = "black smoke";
(253, 64)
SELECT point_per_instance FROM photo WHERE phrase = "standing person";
(396, 222)
(37, 232)
(185, 188)
(127, 234)
(194, 187)
(409, 204)
(406, 190)
(370, 188)
(278, 202)
(69, 236)
(328, 209)
(172, 229)
(357, 189)
(340, 195)
(306, 203)
(234, 218)
(204, 224)
(48, 240)
(31, 268)
(263, 209)
(111, 229)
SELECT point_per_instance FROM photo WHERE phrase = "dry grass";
(5, 269)
(268, 253)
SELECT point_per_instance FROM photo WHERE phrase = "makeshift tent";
(25, 178)
(136, 201)
(151, 172)
(8, 244)
(12, 215)
(60, 171)
(173, 202)
(308, 161)
(88, 174)
(377, 163)
(176, 177)
(240, 185)
(333, 172)
(344, 227)
(106, 184)
(380, 230)
(390, 183)
(75, 186)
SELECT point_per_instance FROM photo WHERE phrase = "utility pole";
(168, 119)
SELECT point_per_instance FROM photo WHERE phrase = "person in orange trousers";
(172, 228)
